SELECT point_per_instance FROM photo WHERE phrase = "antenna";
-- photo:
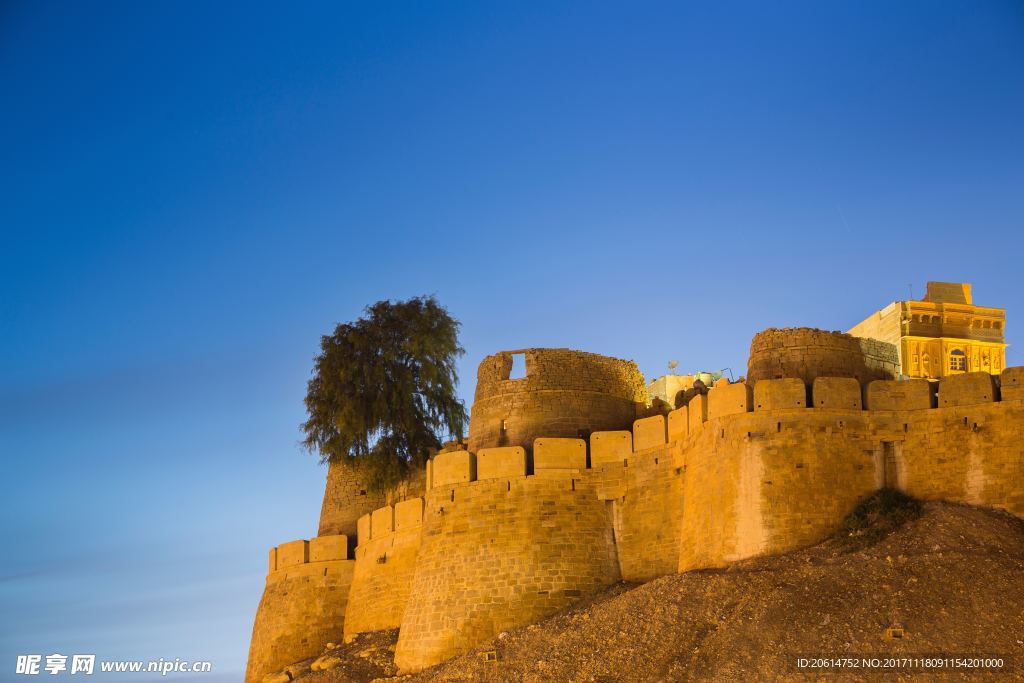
(672, 365)
(911, 288)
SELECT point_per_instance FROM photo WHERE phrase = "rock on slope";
(952, 580)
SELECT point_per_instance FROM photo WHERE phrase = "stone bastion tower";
(806, 353)
(563, 394)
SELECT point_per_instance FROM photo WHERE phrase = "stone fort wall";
(501, 551)
(347, 498)
(636, 475)
(303, 603)
(743, 471)
(389, 542)
(769, 478)
(508, 535)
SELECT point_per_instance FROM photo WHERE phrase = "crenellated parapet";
(740, 471)
(303, 604)
(561, 491)
(781, 470)
(347, 497)
(502, 547)
(385, 560)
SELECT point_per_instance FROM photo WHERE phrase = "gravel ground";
(951, 582)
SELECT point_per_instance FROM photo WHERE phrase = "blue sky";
(192, 193)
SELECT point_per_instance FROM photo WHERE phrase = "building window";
(957, 361)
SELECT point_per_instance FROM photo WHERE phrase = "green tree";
(383, 390)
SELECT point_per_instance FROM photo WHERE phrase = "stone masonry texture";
(807, 353)
(564, 393)
(302, 609)
(347, 498)
(498, 554)
(759, 468)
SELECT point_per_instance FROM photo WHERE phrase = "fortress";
(570, 481)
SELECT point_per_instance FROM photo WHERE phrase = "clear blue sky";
(193, 192)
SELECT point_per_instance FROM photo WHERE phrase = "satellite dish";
(672, 365)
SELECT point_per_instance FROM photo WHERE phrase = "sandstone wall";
(564, 393)
(644, 493)
(303, 604)
(501, 553)
(776, 479)
(346, 498)
(736, 474)
(770, 481)
(745, 470)
(807, 353)
(969, 454)
(384, 567)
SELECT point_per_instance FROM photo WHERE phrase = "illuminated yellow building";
(945, 334)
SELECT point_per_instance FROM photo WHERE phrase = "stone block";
(779, 394)
(730, 399)
(697, 412)
(454, 467)
(298, 669)
(968, 389)
(363, 529)
(890, 394)
(677, 424)
(558, 454)
(382, 522)
(1012, 384)
(836, 392)
(649, 432)
(327, 548)
(272, 560)
(430, 474)
(610, 447)
(408, 514)
(501, 463)
(558, 473)
(292, 553)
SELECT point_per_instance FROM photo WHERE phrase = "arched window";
(957, 361)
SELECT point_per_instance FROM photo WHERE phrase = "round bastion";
(562, 394)
(808, 353)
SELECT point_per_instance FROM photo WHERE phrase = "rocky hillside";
(949, 580)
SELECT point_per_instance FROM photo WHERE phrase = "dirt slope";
(952, 579)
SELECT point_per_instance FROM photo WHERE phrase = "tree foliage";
(382, 392)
